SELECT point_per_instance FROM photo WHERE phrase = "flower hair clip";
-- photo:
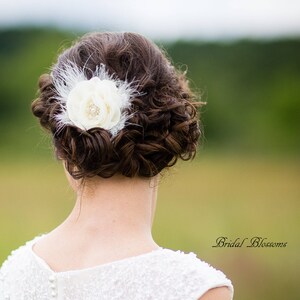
(99, 102)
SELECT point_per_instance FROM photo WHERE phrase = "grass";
(198, 201)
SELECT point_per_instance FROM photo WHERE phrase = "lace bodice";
(163, 274)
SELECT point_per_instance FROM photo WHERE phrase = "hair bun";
(163, 125)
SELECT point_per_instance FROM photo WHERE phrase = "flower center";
(93, 111)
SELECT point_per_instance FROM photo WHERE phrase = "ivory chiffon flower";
(99, 102)
(94, 103)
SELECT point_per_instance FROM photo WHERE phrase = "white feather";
(68, 75)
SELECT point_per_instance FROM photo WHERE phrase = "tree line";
(251, 87)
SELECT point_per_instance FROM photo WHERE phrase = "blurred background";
(243, 58)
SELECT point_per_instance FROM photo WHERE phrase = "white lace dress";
(162, 274)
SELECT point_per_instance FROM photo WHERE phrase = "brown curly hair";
(164, 127)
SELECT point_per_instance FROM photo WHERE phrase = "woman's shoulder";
(190, 274)
(16, 257)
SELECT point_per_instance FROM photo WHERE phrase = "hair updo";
(164, 127)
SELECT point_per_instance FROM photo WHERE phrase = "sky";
(161, 19)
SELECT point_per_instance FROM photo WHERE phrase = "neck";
(115, 211)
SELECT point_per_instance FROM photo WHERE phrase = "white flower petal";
(97, 102)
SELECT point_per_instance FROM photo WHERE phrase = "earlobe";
(73, 182)
(154, 181)
(57, 154)
(154, 185)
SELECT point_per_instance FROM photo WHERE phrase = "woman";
(119, 114)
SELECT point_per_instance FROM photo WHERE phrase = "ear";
(74, 183)
(155, 181)
(154, 184)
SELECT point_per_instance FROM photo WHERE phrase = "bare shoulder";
(219, 293)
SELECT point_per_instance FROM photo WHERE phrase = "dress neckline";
(45, 265)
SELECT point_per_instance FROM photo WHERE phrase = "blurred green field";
(214, 195)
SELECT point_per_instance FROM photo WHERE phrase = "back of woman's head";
(162, 121)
